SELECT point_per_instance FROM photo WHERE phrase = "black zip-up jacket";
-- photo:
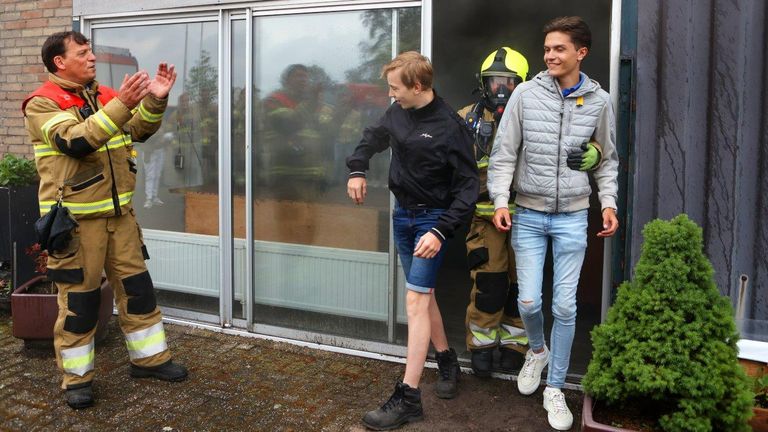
(433, 164)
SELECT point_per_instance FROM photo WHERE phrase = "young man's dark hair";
(573, 26)
(55, 45)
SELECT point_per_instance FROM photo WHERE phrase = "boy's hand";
(357, 189)
(610, 223)
(428, 246)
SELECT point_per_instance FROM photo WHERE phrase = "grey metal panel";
(701, 132)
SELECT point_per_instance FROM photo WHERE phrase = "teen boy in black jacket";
(434, 178)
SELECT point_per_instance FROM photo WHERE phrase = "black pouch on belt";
(54, 230)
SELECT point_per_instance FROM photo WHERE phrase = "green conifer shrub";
(669, 340)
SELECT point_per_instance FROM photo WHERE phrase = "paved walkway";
(238, 384)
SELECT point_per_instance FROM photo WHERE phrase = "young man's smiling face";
(561, 56)
(406, 97)
(77, 64)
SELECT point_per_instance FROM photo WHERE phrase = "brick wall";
(24, 25)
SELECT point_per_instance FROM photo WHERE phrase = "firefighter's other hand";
(428, 246)
(133, 89)
(161, 85)
(357, 189)
(610, 223)
(585, 159)
(501, 219)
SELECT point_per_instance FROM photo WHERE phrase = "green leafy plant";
(760, 388)
(669, 341)
(16, 171)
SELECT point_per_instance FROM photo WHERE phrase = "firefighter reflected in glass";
(300, 128)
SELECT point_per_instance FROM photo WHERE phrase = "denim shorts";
(408, 227)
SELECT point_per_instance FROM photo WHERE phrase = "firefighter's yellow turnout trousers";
(492, 315)
(113, 244)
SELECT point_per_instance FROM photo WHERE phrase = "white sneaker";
(148, 203)
(558, 414)
(530, 375)
(157, 201)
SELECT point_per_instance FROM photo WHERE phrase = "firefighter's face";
(406, 97)
(77, 64)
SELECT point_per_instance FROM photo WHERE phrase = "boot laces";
(393, 401)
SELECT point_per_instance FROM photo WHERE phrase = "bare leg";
(417, 306)
(437, 331)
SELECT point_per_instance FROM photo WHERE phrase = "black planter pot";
(19, 209)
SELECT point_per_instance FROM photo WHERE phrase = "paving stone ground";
(245, 384)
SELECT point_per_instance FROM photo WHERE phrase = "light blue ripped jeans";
(530, 232)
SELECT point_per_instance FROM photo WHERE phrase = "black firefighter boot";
(168, 371)
(511, 360)
(79, 396)
(448, 374)
(403, 406)
(482, 362)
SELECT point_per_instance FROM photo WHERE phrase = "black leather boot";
(482, 362)
(511, 360)
(168, 371)
(403, 406)
(79, 396)
(448, 374)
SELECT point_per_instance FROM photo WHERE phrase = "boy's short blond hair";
(414, 68)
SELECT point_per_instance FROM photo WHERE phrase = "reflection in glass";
(316, 87)
(175, 201)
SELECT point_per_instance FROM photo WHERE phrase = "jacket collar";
(427, 109)
(545, 80)
(72, 86)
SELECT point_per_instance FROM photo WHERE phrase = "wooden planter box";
(759, 422)
(34, 315)
(588, 423)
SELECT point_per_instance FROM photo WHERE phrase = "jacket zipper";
(115, 197)
(559, 138)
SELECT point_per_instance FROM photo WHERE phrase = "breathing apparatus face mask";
(498, 90)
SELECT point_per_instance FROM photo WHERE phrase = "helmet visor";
(493, 84)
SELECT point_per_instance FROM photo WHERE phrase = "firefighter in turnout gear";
(492, 319)
(83, 136)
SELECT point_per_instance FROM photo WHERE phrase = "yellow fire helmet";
(500, 73)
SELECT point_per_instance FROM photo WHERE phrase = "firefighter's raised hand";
(133, 89)
(161, 85)
(357, 189)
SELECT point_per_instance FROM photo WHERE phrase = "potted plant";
(668, 344)
(35, 308)
(759, 421)
(19, 210)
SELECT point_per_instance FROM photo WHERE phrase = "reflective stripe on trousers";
(146, 343)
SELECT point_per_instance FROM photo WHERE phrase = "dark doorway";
(464, 33)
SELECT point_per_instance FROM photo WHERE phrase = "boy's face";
(406, 97)
(561, 56)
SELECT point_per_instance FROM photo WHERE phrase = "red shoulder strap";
(283, 99)
(63, 98)
(106, 94)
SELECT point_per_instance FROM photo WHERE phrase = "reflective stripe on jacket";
(83, 140)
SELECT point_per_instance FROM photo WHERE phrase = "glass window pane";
(316, 87)
(176, 197)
